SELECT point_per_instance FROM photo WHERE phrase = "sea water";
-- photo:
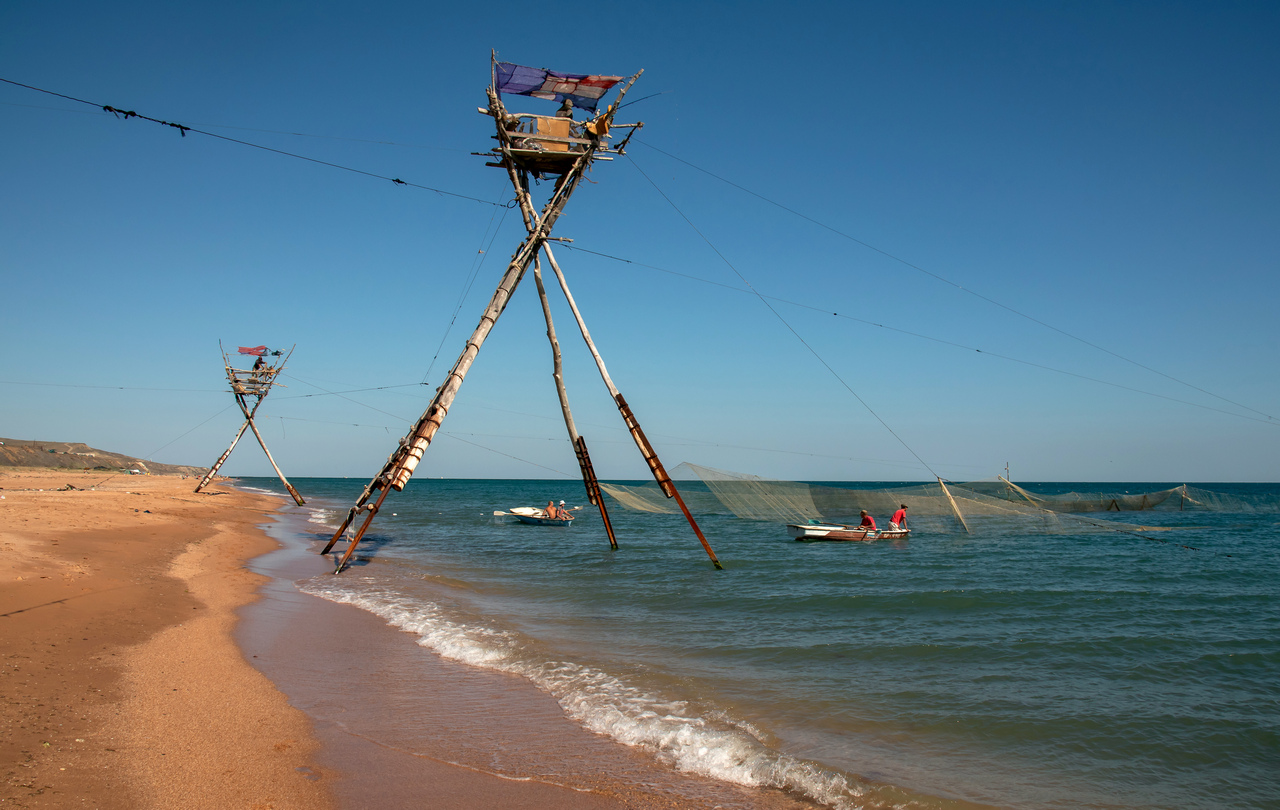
(1014, 669)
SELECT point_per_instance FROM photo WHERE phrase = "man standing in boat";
(899, 519)
(868, 521)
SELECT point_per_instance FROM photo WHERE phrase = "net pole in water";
(593, 488)
(954, 507)
(557, 372)
(633, 425)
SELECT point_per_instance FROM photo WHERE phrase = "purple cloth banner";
(585, 91)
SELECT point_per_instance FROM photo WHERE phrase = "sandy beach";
(126, 684)
(122, 686)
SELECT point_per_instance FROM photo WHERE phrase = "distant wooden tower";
(542, 147)
(252, 383)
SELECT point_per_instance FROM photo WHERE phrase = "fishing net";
(1181, 499)
(932, 506)
(990, 505)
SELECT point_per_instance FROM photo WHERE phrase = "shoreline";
(156, 654)
(406, 727)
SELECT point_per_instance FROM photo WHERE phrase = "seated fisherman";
(868, 521)
(551, 511)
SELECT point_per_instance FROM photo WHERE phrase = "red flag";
(258, 350)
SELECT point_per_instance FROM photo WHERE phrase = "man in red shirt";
(868, 521)
(899, 519)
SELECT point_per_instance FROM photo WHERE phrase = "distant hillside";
(79, 456)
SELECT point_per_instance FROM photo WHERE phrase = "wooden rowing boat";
(808, 532)
(537, 517)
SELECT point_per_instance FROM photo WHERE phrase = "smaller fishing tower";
(542, 147)
(253, 383)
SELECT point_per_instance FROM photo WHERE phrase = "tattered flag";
(553, 85)
(258, 350)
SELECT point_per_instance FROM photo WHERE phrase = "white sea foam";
(259, 491)
(322, 516)
(714, 745)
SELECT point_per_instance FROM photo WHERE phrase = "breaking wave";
(708, 744)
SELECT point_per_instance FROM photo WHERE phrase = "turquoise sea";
(1010, 669)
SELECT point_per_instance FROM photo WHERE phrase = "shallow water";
(1008, 668)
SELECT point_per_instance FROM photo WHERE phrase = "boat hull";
(811, 532)
(535, 520)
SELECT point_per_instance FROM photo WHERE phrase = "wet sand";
(408, 728)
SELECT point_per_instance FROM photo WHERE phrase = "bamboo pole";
(579, 444)
(351, 547)
(582, 325)
(955, 508)
(204, 482)
(431, 419)
(404, 460)
(593, 488)
(296, 497)
(1020, 491)
(248, 420)
(262, 382)
(557, 365)
(633, 424)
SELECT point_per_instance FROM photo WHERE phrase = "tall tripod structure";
(543, 147)
(254, 383)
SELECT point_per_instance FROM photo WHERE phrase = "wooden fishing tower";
(542, 147)
(254, 383)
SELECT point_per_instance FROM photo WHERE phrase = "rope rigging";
(482, 254)
(922, 336)
(476, 264)
(785, 323)
(951, 283)
(183, 130)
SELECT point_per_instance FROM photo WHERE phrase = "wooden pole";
(204, 482)
(258, 384)
(364, 527)
(239, 393)
(1020, 491)
(404, 460)
(426, 427)
(633, 424)
(954, 507)
(593, 488)
(582, 325)
(296, 497)
(579, 444)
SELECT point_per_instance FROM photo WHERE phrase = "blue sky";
(1090, 189)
